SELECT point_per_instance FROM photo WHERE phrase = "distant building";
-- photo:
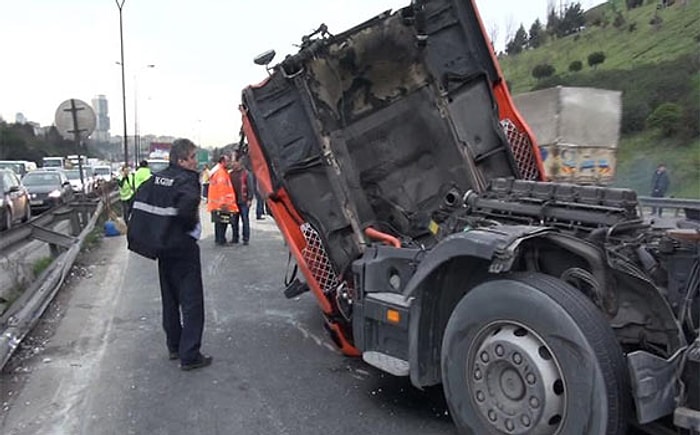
(38, 129)
(99, 104)
(20, 118)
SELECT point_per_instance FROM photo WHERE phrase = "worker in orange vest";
(222, 199)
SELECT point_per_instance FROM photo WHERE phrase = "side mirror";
(265, 58)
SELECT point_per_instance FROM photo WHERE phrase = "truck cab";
(411, 193)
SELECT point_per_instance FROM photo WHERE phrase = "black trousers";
(182, 295)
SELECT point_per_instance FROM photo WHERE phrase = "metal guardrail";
(38, 227)
(25, 312)
(691, 207)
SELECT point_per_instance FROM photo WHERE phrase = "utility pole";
(121, 40)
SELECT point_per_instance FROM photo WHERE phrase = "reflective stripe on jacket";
(165, 215)
(221, 195)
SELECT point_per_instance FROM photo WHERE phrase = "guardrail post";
(54, 250)
(74, 222)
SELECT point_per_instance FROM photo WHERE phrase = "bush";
(666, 118)
(576, 65)
(595, 59)
(632, 27)
(543, 70)
(619, 20)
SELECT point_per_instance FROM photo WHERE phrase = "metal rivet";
(492, 415)
(509, 425)
(477, 374)
(484, 357)
(499, 350)
(480, 396)
(525, 420)
(534, 402)
(517, 358)
(530, 378)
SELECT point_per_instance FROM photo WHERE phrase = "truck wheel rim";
(515, 381)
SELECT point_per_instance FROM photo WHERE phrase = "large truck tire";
(530, 354)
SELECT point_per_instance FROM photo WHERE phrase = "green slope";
(650, 65)
(678, 35)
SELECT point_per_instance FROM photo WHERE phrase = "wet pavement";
(97, 362)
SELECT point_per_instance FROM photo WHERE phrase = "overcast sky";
(53, 50)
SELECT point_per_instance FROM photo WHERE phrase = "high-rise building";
(20, 118)
(99, 104)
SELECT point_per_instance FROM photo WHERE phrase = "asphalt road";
(97, 362)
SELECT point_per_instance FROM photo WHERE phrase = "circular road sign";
(75, 116)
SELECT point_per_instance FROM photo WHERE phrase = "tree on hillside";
(595, 59)
(573, 19)
(518, 43)
(666, 118)
(576, 65)
(566, 22)
(542, 71)
(536, 34)
(553, 22)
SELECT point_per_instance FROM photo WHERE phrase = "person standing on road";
(222, 199)
(659, 186)
(205, 182)
(126, 191)
(244, 186)
(166, 226)
(143, 173)
(260, 206)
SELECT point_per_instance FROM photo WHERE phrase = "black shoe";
(201, 361)
(245, 242)
(173, 356)
(234, 242)
(260, 218)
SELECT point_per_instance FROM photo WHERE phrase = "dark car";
(47, 189)
(14, 204)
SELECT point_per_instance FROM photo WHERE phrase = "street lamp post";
(137, 136)
(121, 40)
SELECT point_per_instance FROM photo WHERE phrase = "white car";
(87, 184)
(102, 173)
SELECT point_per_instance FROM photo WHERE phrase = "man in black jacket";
(659, 186)
(165, 225)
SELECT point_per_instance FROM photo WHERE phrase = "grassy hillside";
(677, 35)
(651, 65)
(639, 155)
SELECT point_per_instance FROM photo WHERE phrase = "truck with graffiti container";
(577, 129)
(413, 197)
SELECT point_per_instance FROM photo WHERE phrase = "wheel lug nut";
(509, 425)
(477, 374)
(517, 358)
(525, 420)
(530, 378)
(534, 402)
(484, 357)
(499, 350)
(492, 415)
(480, 396)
